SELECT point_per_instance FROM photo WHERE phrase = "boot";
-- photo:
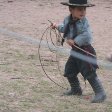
(75, 86)
(100, 94)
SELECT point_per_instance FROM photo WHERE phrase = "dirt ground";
(19, 59)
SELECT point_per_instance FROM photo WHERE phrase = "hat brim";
(77, 5)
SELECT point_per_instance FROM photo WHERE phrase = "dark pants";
(75, 65)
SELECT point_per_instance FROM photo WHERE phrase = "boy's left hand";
(70, 42)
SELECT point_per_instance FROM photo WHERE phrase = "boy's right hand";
(53, 25)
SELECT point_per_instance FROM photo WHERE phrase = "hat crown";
(78, 1)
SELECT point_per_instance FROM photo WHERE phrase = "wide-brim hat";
(78, 3)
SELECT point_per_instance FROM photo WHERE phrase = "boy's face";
(78, 12)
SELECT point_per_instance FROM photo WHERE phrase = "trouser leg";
(75, 86)
(98, 89)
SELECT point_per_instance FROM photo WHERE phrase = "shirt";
(80, 31)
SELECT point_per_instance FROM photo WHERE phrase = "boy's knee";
(89, 75)
(69, 75)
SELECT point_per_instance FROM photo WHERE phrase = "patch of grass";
(33, 91)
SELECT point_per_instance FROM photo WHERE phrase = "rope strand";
(41, 60)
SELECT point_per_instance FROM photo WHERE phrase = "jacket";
(79, 31)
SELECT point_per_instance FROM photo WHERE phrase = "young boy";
(77, 32)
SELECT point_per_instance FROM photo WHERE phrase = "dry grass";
(25, 88)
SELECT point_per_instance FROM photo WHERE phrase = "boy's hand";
(53, 25)
(70, 42)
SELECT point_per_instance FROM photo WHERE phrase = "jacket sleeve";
(85, 35)
(62, 26)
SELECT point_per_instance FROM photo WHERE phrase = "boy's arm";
(63, 25)
(85, 36)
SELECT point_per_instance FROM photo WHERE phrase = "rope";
(41, 60)
(57, 60)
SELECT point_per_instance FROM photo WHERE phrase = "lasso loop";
(41, 60)
(57, 60)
